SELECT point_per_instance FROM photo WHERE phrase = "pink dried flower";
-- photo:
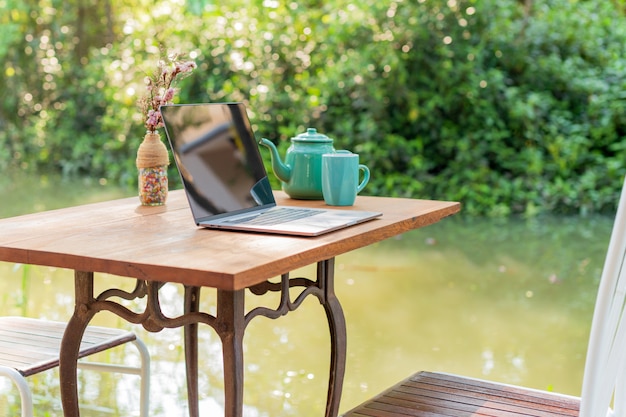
(169, 95)
(154, 120)
(185, 67)
(160, 88)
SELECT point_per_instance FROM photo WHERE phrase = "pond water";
(509, 301)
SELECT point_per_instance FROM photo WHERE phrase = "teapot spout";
(282, 171)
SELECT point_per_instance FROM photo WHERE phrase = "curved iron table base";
(229, 323)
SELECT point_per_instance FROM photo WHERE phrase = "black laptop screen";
(217, 157)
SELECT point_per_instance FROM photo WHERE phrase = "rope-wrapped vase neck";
(152, 152)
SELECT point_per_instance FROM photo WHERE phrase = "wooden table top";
(123, 238)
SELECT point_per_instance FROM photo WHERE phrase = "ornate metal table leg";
(324, 289)
(192, 302)
(337, 326)
(72, 338)
(230, 327)
(229, 323)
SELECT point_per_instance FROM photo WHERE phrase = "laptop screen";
(217, 157)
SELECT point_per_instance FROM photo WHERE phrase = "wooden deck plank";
(427, 394)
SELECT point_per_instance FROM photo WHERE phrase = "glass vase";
(152, 162)
(153, 185)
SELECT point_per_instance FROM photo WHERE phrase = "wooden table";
(157, 245)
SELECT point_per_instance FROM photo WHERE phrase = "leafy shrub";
(508, 107)
(505, 111)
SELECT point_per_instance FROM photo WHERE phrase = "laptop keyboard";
(277, 216)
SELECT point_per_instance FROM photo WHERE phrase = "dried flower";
(160, 88)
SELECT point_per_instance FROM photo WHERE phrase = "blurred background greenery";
(512, 107)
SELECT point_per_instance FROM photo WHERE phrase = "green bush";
(508, 107)
(506, 111)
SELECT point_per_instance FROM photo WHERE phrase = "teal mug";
(340, 178)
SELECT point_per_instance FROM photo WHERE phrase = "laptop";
(225, 180)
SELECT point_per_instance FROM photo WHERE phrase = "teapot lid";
(311, 135)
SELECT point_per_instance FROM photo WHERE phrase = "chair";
(439, 394)
(30, 346)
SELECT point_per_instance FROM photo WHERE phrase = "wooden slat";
(428, 394)
(31, 346)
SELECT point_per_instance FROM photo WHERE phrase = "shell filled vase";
(152, 161)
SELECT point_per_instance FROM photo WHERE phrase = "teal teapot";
(301, 173)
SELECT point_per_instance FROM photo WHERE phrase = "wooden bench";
(427, 394)
(29, 346)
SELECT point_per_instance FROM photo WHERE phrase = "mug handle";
(366, 177)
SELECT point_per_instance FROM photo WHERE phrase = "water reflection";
(507, 301)
(484, 300)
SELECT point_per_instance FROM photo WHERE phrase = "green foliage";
(506, 113)
(508, 107)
